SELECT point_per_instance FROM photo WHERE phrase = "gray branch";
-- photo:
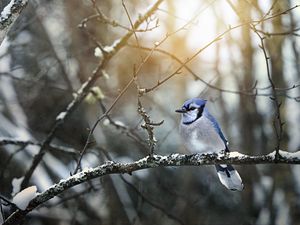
(52, 148)
(154, 161)
(9, 15)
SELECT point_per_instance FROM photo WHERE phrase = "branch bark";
(153, 161)
(9, 15)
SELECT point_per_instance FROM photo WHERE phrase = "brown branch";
(250, 92)
(274, 15)
(283, 33)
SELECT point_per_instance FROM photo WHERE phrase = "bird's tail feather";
(229, 177)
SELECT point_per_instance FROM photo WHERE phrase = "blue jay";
(201, 133)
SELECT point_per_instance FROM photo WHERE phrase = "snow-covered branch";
(154, 161)
(9, 15)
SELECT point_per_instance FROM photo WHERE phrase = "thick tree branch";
(153, 161)
(9, 15)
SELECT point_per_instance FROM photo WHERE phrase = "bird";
(201, 133)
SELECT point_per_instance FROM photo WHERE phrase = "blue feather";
(216, 126)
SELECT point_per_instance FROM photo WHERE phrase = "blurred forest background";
(55, 46)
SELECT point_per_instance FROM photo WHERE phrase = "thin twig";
(53, 147)
(148, 126)
(278, 124)
(253, 91)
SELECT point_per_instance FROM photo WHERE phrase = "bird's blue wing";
(217, 127)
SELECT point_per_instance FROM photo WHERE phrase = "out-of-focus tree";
(95, 83)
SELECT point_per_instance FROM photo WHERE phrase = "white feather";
(234, 182)
(201, 137)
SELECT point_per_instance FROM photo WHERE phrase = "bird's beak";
(180, 110)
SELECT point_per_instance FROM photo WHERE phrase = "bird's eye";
(192, 108)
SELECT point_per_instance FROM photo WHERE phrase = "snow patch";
(235, 154)
(6, 12)
(289, 154)
(22, 199)
(120, 123)
(106, 122)
(272, 155)
(111, 48)
(61, 116)
(105, 74)
(98, 53)
(285, 154)
(80, 91)
(175, 155)
(87, 170)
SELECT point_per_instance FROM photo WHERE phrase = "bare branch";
(102, 18)
(148, 126)
(52, 147)
(123, 41)
(278, 124)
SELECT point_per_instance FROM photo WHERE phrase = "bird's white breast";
(201, 137)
